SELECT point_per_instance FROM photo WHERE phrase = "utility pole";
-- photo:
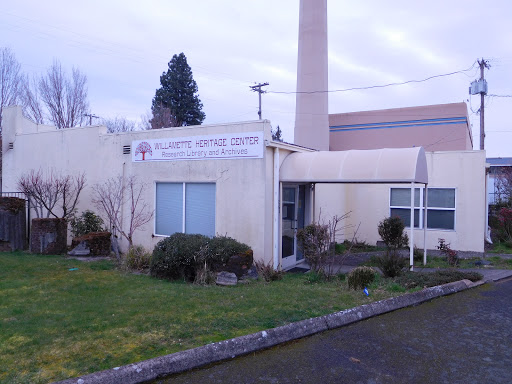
(91, 116)
(480, 86)
(257, 88)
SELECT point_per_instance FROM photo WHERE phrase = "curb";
(178, 362)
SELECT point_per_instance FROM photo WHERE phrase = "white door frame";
(291, 260)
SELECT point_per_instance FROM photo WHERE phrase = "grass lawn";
(502, 248)
(58, 322)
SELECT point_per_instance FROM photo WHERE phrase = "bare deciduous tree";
(110, 197)
(119, 124)
(503, 185)
(31, 100)
(64, 98)
(163, 118)
(11, 79)
(145, 121)
(51, 193)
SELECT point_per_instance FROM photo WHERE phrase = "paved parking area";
(462, 338)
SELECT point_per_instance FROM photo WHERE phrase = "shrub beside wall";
(181, 256)
(48, 236)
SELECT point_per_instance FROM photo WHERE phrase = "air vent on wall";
(11, 145)
(127, 149)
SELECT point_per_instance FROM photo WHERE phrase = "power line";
(499, 95)
(381, 86)
(105, 47)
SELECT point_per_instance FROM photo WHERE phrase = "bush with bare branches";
(318, 241)
(111, 196)
(51, 193)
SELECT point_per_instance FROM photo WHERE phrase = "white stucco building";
(232, 179)
(227, 179)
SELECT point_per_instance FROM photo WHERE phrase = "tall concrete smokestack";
(311, 110)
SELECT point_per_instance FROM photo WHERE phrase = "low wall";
(48, 236)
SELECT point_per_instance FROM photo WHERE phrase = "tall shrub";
(86, 223)
(391, 230)
(314, 240)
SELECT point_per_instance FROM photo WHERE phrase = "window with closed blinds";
(185, 207)
(200, 208)
(169, 208)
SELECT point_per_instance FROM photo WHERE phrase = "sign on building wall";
(247, 145)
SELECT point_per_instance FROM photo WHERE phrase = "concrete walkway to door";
(354, 260)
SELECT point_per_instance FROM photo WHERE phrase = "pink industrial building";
(443, 127)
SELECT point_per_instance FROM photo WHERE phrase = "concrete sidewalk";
(353, 261)
(489, 274)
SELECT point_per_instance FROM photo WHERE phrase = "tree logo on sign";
(143, 148)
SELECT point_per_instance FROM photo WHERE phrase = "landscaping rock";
(239, 264)
(480, 263)
(250, 274)
(80, 250)
(226, 278)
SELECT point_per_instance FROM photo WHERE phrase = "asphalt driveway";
(462, 338)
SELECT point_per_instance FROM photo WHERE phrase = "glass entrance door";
(293, 219)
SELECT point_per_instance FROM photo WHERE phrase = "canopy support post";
(411, 237)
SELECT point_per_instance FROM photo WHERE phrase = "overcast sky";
(124, 46)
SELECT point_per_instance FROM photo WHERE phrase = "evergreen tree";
(277, 134)
(176, 102)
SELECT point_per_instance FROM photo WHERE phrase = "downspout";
(275, 235)
(411, 237)
(122, 199)
(487, 234)
(425, 224)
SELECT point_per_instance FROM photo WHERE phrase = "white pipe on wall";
(425, 224)
(411, 237)
(275, 235)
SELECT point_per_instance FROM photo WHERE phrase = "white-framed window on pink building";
(441, 207)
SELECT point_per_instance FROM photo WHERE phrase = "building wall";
(462, 170)
(330, 201)
(443, 127)
(243, 197)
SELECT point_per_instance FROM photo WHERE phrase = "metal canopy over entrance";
(390, 166)
(379, 166)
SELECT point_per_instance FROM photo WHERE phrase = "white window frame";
(421, 207)
(184, 204)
